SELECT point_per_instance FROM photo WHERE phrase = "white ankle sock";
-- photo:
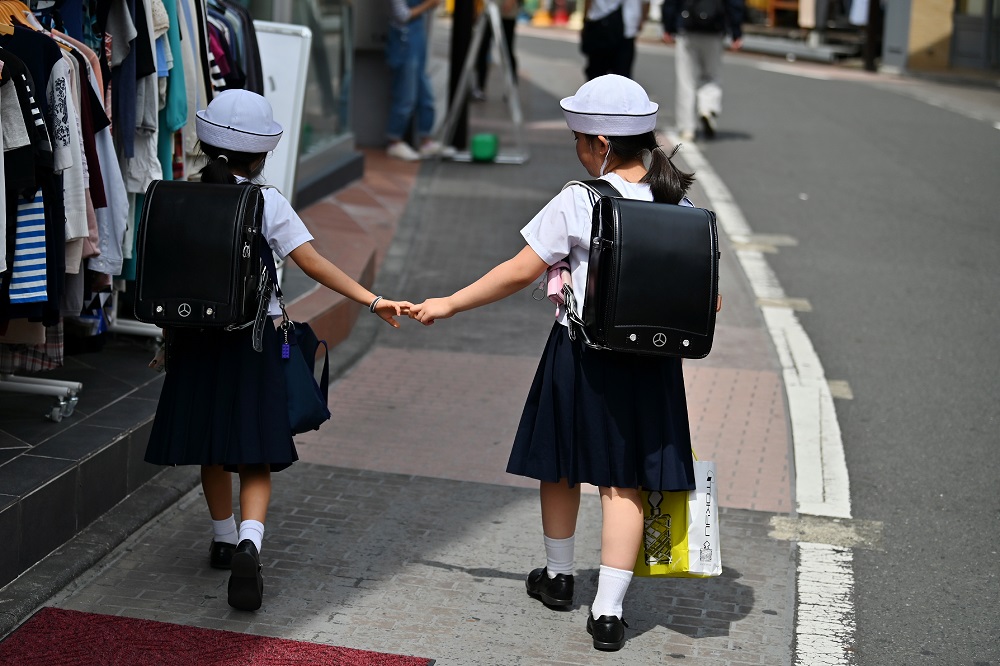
(559, 558)
(224, 531)
(611, 587)
(253, 530)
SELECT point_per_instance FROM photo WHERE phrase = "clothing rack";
(219, 36)
(66, 393)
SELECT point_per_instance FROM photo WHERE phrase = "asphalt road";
(891, 188)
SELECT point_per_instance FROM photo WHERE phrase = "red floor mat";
(71, 638)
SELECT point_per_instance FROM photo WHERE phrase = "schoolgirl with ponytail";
(223, 405)
(617, 421)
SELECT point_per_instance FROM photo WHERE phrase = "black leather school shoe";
(555, 592)
(246, 584)
(220, 554)
(608, 632)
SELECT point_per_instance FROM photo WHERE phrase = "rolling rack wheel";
(66, 393)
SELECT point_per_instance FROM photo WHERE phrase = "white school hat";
(238, 120)
(610, 105)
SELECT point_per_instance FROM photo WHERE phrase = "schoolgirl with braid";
(617, 421)
(223, 405)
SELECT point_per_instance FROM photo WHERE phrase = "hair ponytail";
(223, 165)
(668, 183)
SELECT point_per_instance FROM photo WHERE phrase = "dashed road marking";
(840, 389)
(824, 613)
(838, 532)
(793, 71)
(797, 304)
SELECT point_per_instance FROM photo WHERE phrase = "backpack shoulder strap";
(597, 187)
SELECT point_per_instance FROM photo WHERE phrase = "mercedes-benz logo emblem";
(184, 310)
(659, 339)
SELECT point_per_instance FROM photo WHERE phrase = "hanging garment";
(174, 113)
(28, 274)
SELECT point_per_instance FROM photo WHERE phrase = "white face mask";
(604, 164)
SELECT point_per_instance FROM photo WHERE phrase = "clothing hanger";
(15, 10)
(18, 11)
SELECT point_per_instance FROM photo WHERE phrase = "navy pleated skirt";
(222, 403)
(605, 418)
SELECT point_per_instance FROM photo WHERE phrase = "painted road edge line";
(824, 580)
(822, 487)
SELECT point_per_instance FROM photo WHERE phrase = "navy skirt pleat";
(222, 402)
(605, 418)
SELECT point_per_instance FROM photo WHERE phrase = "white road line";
(822, 486)
(824, 614)
(793, 71)
(824, 628)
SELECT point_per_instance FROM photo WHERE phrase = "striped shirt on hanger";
(27, 281)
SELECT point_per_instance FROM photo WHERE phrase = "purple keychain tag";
(286, 349)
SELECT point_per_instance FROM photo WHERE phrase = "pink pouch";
(558, 275)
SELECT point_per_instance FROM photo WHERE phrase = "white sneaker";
(402, 151)
(430, 148)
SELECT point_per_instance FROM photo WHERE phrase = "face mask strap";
(607, 156)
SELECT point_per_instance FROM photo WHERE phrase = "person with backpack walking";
(616, 420)
(699, 29)
(223, 405)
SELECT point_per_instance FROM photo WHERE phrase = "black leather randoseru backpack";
(201, 257)
(652, 279)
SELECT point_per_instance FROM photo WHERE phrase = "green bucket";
(484, 147)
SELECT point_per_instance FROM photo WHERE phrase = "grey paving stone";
(436, 569)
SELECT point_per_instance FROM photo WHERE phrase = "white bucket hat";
(239, 120)
(610, 105)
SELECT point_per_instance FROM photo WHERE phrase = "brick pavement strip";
(433, 567)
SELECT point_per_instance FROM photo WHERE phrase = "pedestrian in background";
(411, 94)
(617, 421)
(223, 405)
(699, 29)
(509, 11)
(608, 35)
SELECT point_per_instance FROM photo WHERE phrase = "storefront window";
(326, 118)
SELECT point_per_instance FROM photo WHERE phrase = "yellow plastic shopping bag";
(681, 535)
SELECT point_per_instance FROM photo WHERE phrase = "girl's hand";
(718, 304)
(159, 362)
(432, 309)
(389, 310)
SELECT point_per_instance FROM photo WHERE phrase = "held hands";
(388, 310)
(431, 309)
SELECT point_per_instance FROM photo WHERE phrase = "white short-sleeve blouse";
(283, 229)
